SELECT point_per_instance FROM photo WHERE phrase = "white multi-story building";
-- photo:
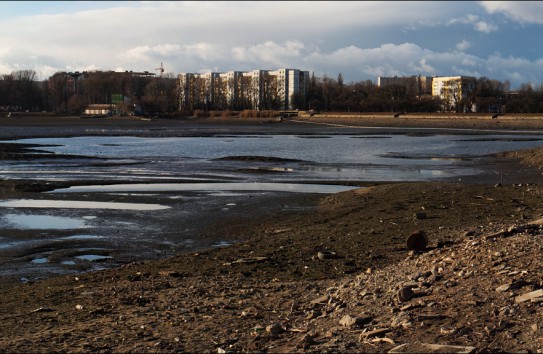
(257, 89)
(453, 90)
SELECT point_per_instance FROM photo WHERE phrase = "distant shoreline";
(36, 126)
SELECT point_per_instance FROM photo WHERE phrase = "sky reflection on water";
(394, 157)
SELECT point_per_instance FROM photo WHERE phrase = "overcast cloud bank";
(361, 40)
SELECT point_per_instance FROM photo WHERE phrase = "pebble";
(275, 328)
(374, 333)
(350, 321)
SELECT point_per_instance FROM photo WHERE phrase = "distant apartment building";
(453, 90)
(419, 85)
(257, 89)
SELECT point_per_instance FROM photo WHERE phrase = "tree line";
(70, 93)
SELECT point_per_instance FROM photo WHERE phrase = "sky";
(362, 40)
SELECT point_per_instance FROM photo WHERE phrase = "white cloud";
(466, 20)
(464, 45)
(355, 63)
(520, 11)
(485, 27)
(475, 20)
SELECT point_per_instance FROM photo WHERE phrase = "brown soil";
(273, 293)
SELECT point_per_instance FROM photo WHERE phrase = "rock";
(533, 296)
(383, 339)
(419, 215)
(349, 321)
(275, 328)
(405, 294)
(250, 260)
(323, 255)
(402, 320)
(417, 241)
(313, 314)
(169, 273)
(447, 330)
(323, 300)
(431, 348)
(374, 333)
(251, 312)
(503, 288)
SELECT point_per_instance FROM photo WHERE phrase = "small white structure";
(99, 109)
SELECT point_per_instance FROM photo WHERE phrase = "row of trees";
(70, 93)
(487, 96)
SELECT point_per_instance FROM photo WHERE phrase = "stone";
(250, 260)
(251, 312)
(402, 320)
(420, 215)
(323, 300)
(275, 329)
(374, 333)
(532, 295)
(169, 273)
(405, 294)
(313, 314)
(417, 241)
(431, 348)
(503, 288)
(324, 255)
(350, 321)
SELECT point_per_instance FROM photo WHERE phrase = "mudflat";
(333, 274)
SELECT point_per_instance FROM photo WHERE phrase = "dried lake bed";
(166, 195)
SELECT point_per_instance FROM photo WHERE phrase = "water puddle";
(8, 244)
(68, 262)
(78, 204)
(92, 257)
(40, 260)
(170, 187)
(222, 244)
(43, 222)
(82, 237)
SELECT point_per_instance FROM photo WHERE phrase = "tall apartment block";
(446, 86)
(257, 89)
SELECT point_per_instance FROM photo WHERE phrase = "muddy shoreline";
(37, 127)
(262, 293)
